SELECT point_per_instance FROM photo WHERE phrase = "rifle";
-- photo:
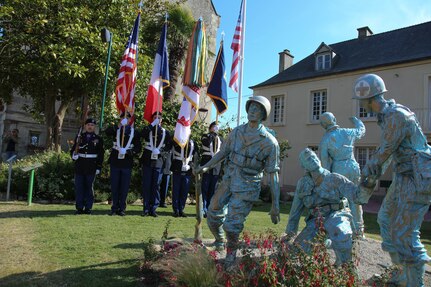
(84, 115)
(199, 204)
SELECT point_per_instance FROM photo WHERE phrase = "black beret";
(90, 121)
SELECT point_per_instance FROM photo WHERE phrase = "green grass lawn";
(46, 245)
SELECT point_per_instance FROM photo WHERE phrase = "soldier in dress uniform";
(157, 140)
(87, 153)
(182, 158)
(166, 177)
(211, 143)
(126, 145)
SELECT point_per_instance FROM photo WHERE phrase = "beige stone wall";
(408, 84)
(15, 116)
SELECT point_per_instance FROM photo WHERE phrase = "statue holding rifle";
(248, 151)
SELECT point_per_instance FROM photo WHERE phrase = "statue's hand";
(200, 169)
(275, 215)
(366, 189)
(353, 119)
(371, 169)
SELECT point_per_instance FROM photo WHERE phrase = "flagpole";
(160, 87)
(241, 62)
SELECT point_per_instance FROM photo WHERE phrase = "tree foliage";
(51, 51)
(180, 28)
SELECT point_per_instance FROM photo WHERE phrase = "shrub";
(55, 177)
(53, 180)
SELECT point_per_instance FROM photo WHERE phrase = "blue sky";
(300, 26)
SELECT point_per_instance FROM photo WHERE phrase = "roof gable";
(389, 48)
(323, 48)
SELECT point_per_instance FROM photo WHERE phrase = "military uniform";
(337, 155)
(166, 177)
(121, 164)
(248, 153)
(404, 206)
(152, 164)
(181, 168)
(89, 160)
(211, 144)
(328, 202)
(405, 146)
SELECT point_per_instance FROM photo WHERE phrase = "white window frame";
(361, 151)
(362, 114)
(36, 134)
(278, 110)
(323, 61)
(319, 104)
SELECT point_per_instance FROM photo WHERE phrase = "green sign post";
(31, 168)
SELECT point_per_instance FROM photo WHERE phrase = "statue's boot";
(342, 256)
(361, 233)
(398, 276)
(415, 274)
(218, 234)
(231, 248)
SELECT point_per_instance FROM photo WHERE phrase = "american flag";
(125, 88)
(236, 47)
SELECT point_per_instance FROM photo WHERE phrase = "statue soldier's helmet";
(368, 86)
(261, 100)
(328, 120)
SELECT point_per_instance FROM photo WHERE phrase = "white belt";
(84, 155)
(117, 148)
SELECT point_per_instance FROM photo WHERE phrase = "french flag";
(159, 79)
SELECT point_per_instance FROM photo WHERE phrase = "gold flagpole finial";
(140, 5)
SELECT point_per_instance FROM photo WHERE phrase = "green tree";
(51, 52)
(180, 28)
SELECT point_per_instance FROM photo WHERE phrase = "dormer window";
(323, 57)
(323, 62)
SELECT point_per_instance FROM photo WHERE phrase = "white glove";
(155, 122)
(156, 151)
(124, 122)
(97, 171)
(75, 156)
(122, 150)
(185, 167)
(216, 128)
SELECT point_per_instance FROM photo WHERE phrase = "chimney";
(364, 32)
(286, 60)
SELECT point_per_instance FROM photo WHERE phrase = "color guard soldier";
(157, 140)
(87, 153)
(182, 159)
(125, 148)
(166, 178)
(211, 143)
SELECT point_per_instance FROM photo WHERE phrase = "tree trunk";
(58, 124)
(49, 118)
(175, 61)
(173, 78)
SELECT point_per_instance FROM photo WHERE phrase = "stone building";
(323, 81)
